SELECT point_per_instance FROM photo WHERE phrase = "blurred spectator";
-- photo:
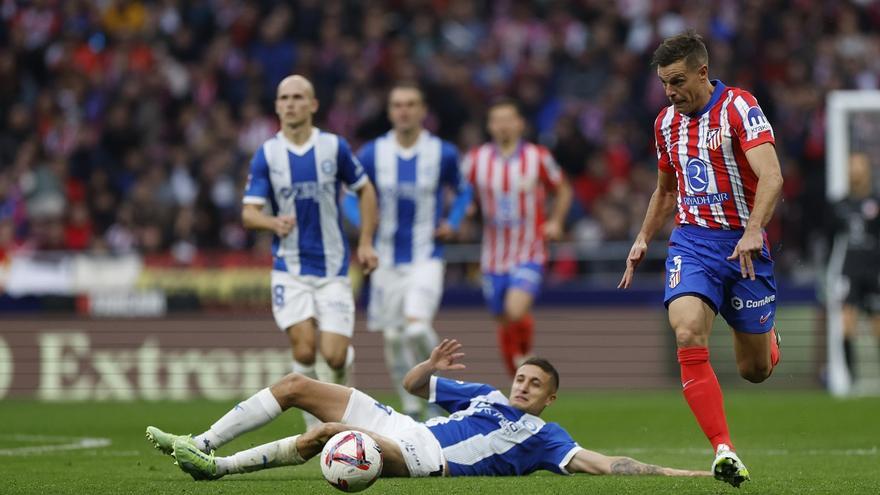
(131, 123)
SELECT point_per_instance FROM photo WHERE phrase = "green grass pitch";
(792, 442)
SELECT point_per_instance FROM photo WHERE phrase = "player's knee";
(690, 336)
(755, 372)
(304, 354)
(336, 359)
(287, 390)
(513, 314)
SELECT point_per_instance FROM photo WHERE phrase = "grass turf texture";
(792, 442)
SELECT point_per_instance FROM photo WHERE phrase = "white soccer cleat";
(728, 467)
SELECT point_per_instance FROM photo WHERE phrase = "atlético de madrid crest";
(713, 139)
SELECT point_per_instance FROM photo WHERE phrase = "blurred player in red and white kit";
(718, 168)
(510, 177)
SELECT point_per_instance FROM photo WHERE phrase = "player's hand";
(445, 355)
(283, 225)
(444, 232)
(367, 258)
(552, 230)
(636, 255)
(747, 249)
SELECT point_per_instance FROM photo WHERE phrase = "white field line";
(66, 443)
(872, 451)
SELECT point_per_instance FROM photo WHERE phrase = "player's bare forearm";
(660, 208)
(629, 466)
(765, 164)
(562, 203)
(252, 217)
(444, 357)
(590, 462)
(417, 380)
(368, 207)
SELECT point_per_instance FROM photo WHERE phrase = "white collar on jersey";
(407, 153)
(303, 148)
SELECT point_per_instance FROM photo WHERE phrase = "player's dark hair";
(547, 367)
(408, 85)
(505, 102)
(687, 46)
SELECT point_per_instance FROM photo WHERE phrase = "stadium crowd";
(129, 125)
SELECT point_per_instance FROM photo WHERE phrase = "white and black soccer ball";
(351, 461)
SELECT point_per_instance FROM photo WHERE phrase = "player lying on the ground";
(487, 433)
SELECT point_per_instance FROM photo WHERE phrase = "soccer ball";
(351, 461)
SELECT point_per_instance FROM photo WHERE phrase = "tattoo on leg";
(625, 465)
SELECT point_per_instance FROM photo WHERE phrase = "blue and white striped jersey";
(485, 436)
(304, 181)
(410, 186)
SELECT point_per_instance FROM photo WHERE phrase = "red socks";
(515, 341)
(525, 328)
(508, 346)
(703, 394)
(774, 348)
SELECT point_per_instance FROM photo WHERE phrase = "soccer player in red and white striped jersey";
(719, 171)
(511, 178)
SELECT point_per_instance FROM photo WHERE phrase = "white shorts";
(329, 300)
(421, 450)
(405, 291)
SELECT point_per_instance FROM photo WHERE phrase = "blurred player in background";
(411, 170)
(299, 172)
(718, 167)
(858, 218)
(489, 434)
(511, 177)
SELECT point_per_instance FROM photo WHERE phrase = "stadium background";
(125, 273)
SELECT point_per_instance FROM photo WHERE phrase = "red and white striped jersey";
(512, 194)
(707, 153)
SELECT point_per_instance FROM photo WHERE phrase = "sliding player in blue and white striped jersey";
(412, 171)
(299, 172)
(487, 434)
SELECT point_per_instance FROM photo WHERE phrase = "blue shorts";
(525, 277)
(697, 265)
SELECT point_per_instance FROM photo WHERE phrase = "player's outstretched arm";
(418, 380)
(587, 461)
(660, 207)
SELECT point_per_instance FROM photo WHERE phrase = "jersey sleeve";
(349, 168)
(549, 171)
(351, 209)
(451, 177)
(258, 187)
(455, 395)
(748, 124)
(663, 162)
(559, 448)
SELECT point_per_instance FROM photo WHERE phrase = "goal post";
(846, 109)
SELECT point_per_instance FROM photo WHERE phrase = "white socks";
(254, 412)
(329, 375)
(421, 338)
(278, 453)
(399, 360)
